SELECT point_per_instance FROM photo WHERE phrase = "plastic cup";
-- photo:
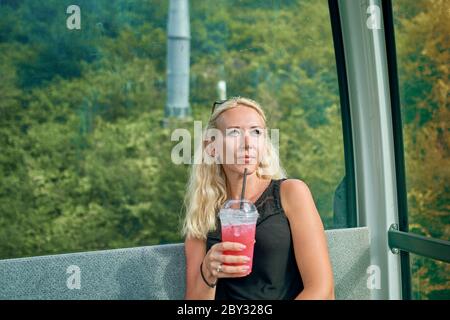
(238, 219)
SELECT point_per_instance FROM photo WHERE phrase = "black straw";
(243, 187)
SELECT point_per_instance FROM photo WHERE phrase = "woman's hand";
(214, 260)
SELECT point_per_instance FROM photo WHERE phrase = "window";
(85, 162)
(422, 48)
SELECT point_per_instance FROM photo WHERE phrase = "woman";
(290, 255)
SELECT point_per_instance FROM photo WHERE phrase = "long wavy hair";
(206, 190)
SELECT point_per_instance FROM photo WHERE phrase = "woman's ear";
(264, 163)
(209, 147)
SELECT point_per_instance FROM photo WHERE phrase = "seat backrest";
(155, 272)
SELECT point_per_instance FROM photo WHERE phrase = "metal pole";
(178, 53)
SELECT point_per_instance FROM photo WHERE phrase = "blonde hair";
(206, 189)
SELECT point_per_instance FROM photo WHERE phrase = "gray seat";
(155, 272)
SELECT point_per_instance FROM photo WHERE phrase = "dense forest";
(85, 162)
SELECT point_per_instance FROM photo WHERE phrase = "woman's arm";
(196, 288)
(310, 244)
(195, 250)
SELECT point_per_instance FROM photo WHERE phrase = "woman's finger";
(226, 258)
(231, 246)
(234, 269)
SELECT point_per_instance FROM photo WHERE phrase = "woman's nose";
(247, 141)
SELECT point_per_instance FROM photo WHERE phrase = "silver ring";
(219, 268)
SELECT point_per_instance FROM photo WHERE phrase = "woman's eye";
(257, 132)
(236, 132)
(233, 132)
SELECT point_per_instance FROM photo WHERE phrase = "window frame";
(336, 29)
(399, 238)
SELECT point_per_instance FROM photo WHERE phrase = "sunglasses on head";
(216, 103)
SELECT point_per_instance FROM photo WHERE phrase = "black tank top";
(275, 273)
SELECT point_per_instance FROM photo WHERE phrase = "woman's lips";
(247, 159)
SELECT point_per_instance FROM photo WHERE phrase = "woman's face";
(243, 134)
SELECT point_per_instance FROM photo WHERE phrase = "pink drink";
(238, 219)
(244, 234)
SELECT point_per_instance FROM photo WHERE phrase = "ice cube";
(236, 231)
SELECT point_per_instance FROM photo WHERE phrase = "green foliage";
(423, 55)
(85, 163)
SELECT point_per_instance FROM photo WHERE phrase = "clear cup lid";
(243, 206)
(237, 212)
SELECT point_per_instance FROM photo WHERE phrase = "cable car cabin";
(356, 91)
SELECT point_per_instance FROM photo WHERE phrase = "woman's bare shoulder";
(290, 189)
(294, 193)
